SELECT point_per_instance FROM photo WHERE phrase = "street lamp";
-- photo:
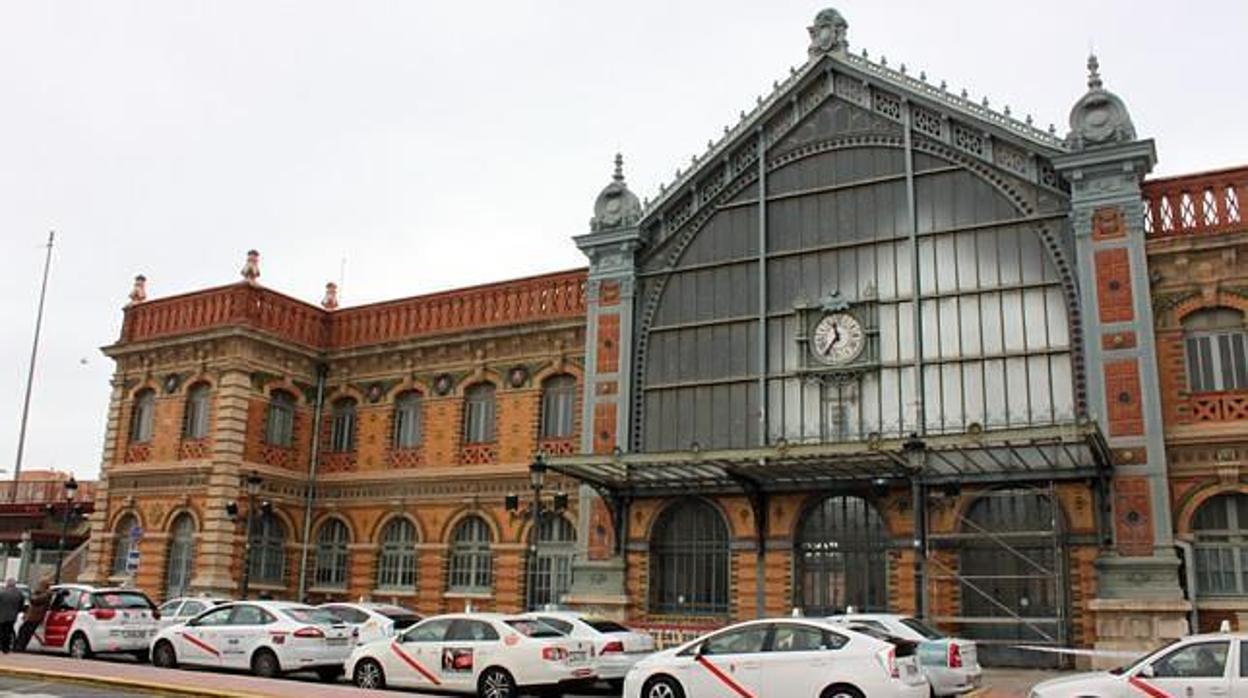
(536, 511)
(71, 491)
(253, 488)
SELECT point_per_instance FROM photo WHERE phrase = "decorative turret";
(616, 206)
(330, 301)
(1099, 117)
(828, 34)
(251, 268)
(138, 293)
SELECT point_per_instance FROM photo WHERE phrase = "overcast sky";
(441, 144)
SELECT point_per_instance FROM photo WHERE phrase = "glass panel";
(743, 641)
(268, 550)
(332, 554)
(842, 553)
(1200, 660)
(470, 568)
(396, 568)
(407, 420)
(689, 560)
(479, 414)
(558, 397)
(181, 557)
(342, 428)
(280, 427)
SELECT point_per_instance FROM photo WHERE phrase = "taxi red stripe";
(414, 664)
(724, 678)
(1147, 688)
(201, 644)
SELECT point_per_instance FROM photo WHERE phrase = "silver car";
(950, 664)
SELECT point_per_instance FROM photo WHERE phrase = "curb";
(153, 686)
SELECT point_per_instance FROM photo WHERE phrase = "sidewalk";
(210, 684)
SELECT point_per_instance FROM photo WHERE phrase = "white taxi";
(269, 638)
(84, 620)
(616, 648)
(951, 664)
(487, 654)
(374, 621)
(1199, 666)
(184, 608)
(809, 658)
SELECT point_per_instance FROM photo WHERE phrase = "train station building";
(879, 346)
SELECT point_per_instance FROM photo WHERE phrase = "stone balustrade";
(1206, 203)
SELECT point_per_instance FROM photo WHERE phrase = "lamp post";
(71, 491)
(537, 512)
(537, 480)
(253, 488)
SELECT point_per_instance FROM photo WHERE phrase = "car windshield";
(1139, 660)
(922, 628)
(533, 628)
(395, 612)
(122, 599)
(316, 616)
(603, 625)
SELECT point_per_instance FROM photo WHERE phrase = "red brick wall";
(1122, 397)
(1113, 285)
(608, 343)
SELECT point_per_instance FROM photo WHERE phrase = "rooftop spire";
(1094, 74)
(619, 168)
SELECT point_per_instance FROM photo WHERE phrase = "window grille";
(396, 566)
(342, 426)
(181, 559)
(280, 427)
(470, 557)
(122, 543)
(143, 416)
(842, 549)
(407, 420)
(558, 401)
(268, 550)
(195, 419)
(479, 414)
(1221, 548)
(550, 569)
(1216, 351)
(332, 554)
(689, 561)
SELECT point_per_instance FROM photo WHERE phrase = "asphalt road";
(44, 688)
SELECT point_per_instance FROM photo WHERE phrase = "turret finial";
(619, 168)
(1094, 74)
(251, 268)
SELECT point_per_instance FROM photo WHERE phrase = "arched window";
(123, 541)
(689, 560)
(143, 416)
(268, 550)
(558, 400)
(479, 414)
(342, 426)
(332, 554)
(279, 430)
(841, 557)
(1216, 350)
(1222, 546)
(396, 566)
(550, 564)
(195, 417)
(181, 560)
(407, 420)
(471, 569)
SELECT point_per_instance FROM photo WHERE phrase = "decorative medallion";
(172, 381)
(517, 376)
(375, 392)
(443, 384)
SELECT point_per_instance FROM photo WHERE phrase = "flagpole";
(30, 376)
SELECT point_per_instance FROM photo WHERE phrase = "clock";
(838, 339)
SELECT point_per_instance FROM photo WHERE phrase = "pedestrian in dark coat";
(11, 603)
(35, 613)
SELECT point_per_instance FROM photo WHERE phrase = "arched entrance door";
(841, 555)
(1012, 571)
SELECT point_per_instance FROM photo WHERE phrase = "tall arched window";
(470, 569)
(558, 400)
(550, 564)
(841, 557)
(143, 416)
(332, 541)
(123, 541)
(195, 416)
(342, 426)
(279, 429)
(1221, 528)
(396, 566)
(1216, 350)
(479, 414)
(689, 560)
(181, 560)
(268, 550)
(407, 420)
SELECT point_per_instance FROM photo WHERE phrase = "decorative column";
(217, 545)
(1138, 602)
(598, 579)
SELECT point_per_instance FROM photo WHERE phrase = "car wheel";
(79, 647)
(328, 673)
(841, 691)
(163, 656)
(264, 664)
(496, 683)
(662, 687)
(368, 674)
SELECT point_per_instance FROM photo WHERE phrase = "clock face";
(839, 339)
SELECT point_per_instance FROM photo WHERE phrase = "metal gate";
(841, 557)
(549, 565)
(1011, 576)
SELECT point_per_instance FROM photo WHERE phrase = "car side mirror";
(1147, 671)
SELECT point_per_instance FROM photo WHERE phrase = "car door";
(1194, 670)
(243, 633)
(62, 611)
(199, 641)
(411, 659)
(803, 657)
(729, 664)
(468, 647)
